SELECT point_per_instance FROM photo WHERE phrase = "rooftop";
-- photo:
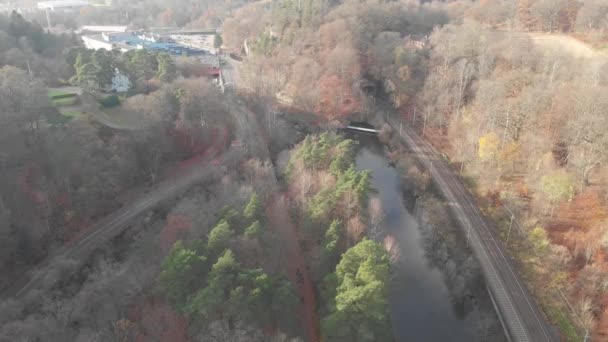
(62, 4)
(132, 40)
(104, 28)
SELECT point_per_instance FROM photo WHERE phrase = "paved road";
(230, 73)
(115, 223)
(523, 319)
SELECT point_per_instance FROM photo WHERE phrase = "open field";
(564, 43)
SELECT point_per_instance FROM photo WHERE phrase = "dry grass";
(564, 43)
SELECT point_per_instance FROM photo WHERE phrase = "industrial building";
(102, 42)
(196, 41)
(125, 41)
(102, 28)
(62, 4)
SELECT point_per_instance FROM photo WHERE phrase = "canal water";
(420, 303)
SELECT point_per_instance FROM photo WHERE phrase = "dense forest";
(26, 45)
(64, 167)
(172, 273)
(513, 93)
(142, 14)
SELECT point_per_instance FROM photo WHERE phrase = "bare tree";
(548, 12)
(376, 216)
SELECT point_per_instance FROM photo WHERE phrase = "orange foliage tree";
(336, 97)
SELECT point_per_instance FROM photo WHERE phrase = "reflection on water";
(421, 308)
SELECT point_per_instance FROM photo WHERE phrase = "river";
(421, 304)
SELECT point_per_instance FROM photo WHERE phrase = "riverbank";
(436, 279)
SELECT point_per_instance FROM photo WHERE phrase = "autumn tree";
(592, 15)
(524, 14)
(23, 101)
(494, 12)
(548, 13)
(167, 71)
(489, 145)
(538, 239)
(585, 127)
(557, 185)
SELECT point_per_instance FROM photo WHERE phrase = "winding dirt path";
(293, 260)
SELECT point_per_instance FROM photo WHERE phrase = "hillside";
(504, 89)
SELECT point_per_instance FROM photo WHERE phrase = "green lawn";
(68, 101)
(71, 113)
(64, 101)
(55, 92)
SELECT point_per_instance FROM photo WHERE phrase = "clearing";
(560, 42)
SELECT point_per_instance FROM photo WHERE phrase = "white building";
(62, 4)
(102, 41)
(120, 82)
(103, 28)
(96, 43)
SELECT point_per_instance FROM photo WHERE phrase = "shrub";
(110, 101)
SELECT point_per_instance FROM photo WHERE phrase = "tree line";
(526, 124)
(95, 69)
(205, 280)
(308, 55)
(352, 272)
(26, 45)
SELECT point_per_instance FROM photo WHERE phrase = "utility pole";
(510, 225)
(29, 69)
(48, 19)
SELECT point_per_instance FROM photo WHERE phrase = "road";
(230, 73)
(519, 312)
(114, 224)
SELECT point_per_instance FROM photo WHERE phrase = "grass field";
(55, 92)
(65, 101)
(68, 101)
(71, 113)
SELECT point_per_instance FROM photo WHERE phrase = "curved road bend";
(113, 224)
(521, 316)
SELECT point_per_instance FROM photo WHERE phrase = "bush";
(557, 185)
(110, 101)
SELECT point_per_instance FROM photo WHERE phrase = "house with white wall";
(120, 82)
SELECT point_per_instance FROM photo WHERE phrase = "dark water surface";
(421, 309)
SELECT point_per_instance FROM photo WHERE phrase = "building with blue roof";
(140, 40)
